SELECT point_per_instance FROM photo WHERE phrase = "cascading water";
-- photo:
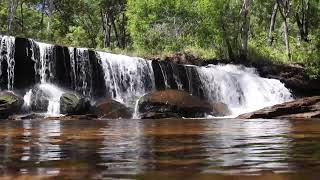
(44, 65)
(241, 88)
(27, 100)
(7, 50)
(81, 70)
(53, 94)
(127, 78)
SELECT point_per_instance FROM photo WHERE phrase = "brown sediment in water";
(159, 149)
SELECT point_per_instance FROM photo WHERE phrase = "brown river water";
(160, 149)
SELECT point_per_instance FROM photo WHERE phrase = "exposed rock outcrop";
(302, 108)
(74, 117)
(39, 100)
(72, 103)
(10, 103)
(173, 103)
(220, 109)
(110, 109)
(294, 77)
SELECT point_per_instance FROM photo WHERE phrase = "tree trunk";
(115, 31)
(272, 23)
(106, 29)
(50, 13)
(123, 31)
(22, 16)
(12, 4)
(42, 16)
(284, 8)
(245, 29)
(286, 37)
(302, 21)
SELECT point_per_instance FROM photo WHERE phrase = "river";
(159, 149)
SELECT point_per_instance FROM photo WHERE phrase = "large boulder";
(110, 109)
(39, 99)
(10, 103)
(221, 109)
(308, 107)
(173, 103)
(74, 104)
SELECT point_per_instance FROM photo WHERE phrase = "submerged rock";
(10, 103)
(72, 103)
(173, 103)
(110, 109)
(308, 107)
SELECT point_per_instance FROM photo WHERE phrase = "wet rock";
(27, 116)
(173, 103)
(74, 117)
(294, 77)
(39, 100)
(221, 109)
(98, 81)
(184, 58)
(110, 109)
(24, 73)
(301, 108)
(10, 103)
(62, 66)
(72, 103)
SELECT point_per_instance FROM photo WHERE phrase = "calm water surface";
(160, 149)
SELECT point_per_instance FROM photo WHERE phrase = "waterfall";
(44, 65)
(7, 51)
(127, 78)
(241, 88)
(81, 73)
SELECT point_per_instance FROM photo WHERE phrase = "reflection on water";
(150, 148)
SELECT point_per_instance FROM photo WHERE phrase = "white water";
(241, 88)
(80, 70)
(7, 50)
(44, 63)
(127, 78)
(27, 100)
(54, 94)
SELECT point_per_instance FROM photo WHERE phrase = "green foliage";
(206, 28)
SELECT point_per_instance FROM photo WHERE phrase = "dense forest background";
(285, 31)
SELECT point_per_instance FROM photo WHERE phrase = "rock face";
(10, 103)
(71, 103)
(39, 100)
(294, 77)
(110, 109)
(302, 108)
(170, 76)
(172, 103)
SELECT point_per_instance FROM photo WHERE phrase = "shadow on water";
(159, 149)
